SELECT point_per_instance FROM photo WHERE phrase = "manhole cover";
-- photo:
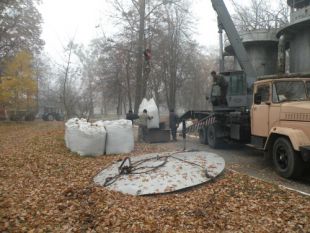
(160, 172)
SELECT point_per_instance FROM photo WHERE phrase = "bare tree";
(176, 59)
(196, 81)
(176, 30)
(68, 75)
(138, 18)
(86, 107)
(260, 15)
(112, 72)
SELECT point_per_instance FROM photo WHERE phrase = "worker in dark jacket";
(173, 124)
(221, 82)
(131, 116)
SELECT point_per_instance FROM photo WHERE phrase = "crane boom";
(227, 24)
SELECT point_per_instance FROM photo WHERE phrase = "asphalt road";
(247, 160)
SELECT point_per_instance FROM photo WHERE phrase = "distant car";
(51, 114)
(21, 115)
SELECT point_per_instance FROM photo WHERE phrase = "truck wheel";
(50, 117)
(213, 141)
(287, 162)
(30, 117)
(203, 138)
(57, 117)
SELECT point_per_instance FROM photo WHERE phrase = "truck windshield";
(289, 91)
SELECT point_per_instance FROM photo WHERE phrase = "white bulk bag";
(143, 105)
(85, 138)
(70, 126)
(120, 138)
(152, 110)
(91, 140)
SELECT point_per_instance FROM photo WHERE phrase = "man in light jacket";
(143, 119)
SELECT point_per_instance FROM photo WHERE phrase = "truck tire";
(287, 162)
(203, 138)
(59, 117)
(50, 117)
(30, 117)
(213, 141)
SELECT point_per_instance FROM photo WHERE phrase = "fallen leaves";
(45, 188)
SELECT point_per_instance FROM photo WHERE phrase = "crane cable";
(133, 167)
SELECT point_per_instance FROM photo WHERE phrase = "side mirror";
(257, 98)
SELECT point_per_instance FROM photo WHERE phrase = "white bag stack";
(71, 130)
(85, 138)
(152, 110)
(92, 140)
(120, 138)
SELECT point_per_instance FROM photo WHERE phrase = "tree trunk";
(128, 82)
(67, 111)
(146, 74)
(119, 104)
(173, 69)
(91, 99)
(139, 76)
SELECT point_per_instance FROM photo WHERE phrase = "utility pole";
(139, 77)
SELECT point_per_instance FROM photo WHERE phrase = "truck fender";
(297, 137)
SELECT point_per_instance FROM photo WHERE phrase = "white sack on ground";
(120, 138)
(143, 105)
(85, 138)
(91, 140)
(72, 133)
(152, 110)
(70, 126)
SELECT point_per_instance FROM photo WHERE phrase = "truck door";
(260, 111)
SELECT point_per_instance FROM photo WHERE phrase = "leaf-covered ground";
(45, 188)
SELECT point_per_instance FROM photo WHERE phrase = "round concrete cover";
(161, 173)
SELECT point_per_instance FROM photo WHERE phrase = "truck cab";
(280, 121)
(237, 94)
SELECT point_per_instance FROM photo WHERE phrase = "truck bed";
(201, 114)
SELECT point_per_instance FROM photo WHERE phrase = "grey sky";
(65, 19)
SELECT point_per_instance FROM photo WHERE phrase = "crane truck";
(272, 113)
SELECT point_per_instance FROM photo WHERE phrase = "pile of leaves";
(46, 188)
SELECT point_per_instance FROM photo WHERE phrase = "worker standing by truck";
(143, 119)
(221, 82)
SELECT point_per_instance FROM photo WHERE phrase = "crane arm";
(227, 24)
